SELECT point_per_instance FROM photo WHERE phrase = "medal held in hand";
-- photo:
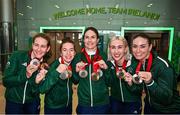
(83, 73)
(136, 79)
(66, 74)
(120, 73)
(97, 72)
(120, 70)
(35, 62)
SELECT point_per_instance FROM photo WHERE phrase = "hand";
(146, 76)
(61, 68)
(40, 76)
(102, 64)
(80, 66)
(30, 69)
(128, 78)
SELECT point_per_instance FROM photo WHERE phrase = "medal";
(97, 72)
(35, 62)
(95, 76)
(136, 79)
(120, 74)
(66, 74)
(120, 71)
(83, 73)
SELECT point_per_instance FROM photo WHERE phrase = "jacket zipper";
(67, 92)
(120, 86)
(149, 99)
(90, 84)
(24, 93)
(144, 68)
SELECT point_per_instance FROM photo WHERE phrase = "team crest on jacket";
(112, 67)
(24, 64)
(7, 64)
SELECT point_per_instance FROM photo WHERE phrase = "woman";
(19, 77)
(57, 85)
(157, 76)
(123, 99)
(89, 71)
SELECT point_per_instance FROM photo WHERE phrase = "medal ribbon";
(123, 66)
(121, 69)
(95, 58)
(150, 58)
(69, 66)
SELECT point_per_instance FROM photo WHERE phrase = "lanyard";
(97, 57)
(123, 66)
(150, 58)
(69, 66)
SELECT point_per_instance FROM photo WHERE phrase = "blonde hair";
(127, 57)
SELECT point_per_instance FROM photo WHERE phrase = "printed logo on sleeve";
(24, 64)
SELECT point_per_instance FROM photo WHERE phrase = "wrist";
(28, 74)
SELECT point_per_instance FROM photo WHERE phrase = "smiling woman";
(22, 96)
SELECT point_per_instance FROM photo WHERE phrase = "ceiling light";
(117, 6)
(50, 19)
(87, 6)
(19, 13)
(149, 5)
(56, 6)
(32, 18)
(29, 7)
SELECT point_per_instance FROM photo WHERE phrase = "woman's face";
(67, 52)
(39, 47)
(118, 49)
(141, 48)
(90, 40)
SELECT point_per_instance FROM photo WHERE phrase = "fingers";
(146, 76)
(40, 76)
(102, 64)
(61, 68)
(80, 66)
(30, 69)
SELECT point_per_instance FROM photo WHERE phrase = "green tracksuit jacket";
(91, 93)
(58, 92)
(120, 90)
(162, 93)
(19, 88)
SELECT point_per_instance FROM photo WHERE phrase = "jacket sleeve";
(135, 88)
(161, 88)
(50, 80)
(15, 73)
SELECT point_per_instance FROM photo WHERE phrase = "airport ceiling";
(36, 13)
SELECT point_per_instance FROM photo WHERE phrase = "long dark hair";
(143, 35)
